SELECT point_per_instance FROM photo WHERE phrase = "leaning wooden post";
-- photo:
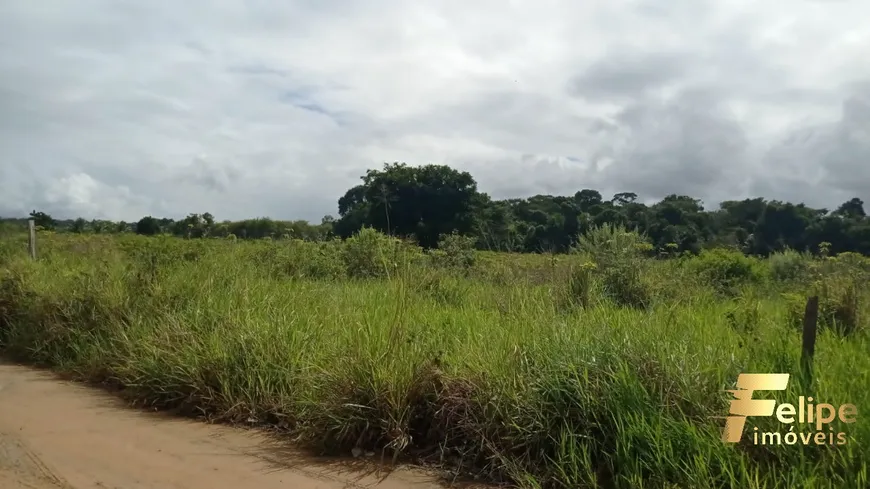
(31, 225)
(808, 347)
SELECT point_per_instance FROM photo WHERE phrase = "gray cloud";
(629, 74)
(824, 164)
(687, 145)
(117, 109)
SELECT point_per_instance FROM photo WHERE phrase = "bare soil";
(56, 434)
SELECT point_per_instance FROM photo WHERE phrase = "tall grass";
(534, 370)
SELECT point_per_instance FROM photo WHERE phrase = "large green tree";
(423, 202)
(148, 226)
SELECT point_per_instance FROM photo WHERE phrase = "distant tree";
(148, 226)
(624, 198)
(100, 226)
(43, 220)
(79, 226)
(194, 226)
(853, 208)
(588, 199)
(421, 202)
(783, 225)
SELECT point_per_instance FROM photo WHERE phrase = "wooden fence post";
(31, 225)
(808, 347)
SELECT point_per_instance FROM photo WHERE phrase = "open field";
(600, 368)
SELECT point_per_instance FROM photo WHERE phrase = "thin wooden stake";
(808, 348)
(31, 225)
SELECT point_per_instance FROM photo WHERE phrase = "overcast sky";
(119, 109)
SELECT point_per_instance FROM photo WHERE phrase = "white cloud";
(246, 108)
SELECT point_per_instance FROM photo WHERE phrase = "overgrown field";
(603, 368)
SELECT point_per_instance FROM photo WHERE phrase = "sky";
(121, 109)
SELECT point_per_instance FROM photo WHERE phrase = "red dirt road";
(59, 435)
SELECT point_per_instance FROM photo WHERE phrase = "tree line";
(192, 226)
(424, 203)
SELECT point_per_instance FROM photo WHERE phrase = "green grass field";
(603, 368)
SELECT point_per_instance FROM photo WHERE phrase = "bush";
(577, 291)
(838, 305)
(619, 255)
(787, 265)
(627, 286)
(455, 251)
(852, 264)
(317, 260)
(612, 245)
(726, 269)
(372, 254)
(745, 316)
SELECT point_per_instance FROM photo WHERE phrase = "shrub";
(455, 251)
(612, 245)
(726, 269)
(577, 292)
(850, 263)
(787, 265)
(619, 255)
(627, 286)
(372, 254)
(838, 305)
(745, 316)
(317, 260)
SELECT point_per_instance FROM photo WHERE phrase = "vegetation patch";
(604, 367)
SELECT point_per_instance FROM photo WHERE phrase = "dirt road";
(59, 435)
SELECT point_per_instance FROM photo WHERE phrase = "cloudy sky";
(118, 109)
